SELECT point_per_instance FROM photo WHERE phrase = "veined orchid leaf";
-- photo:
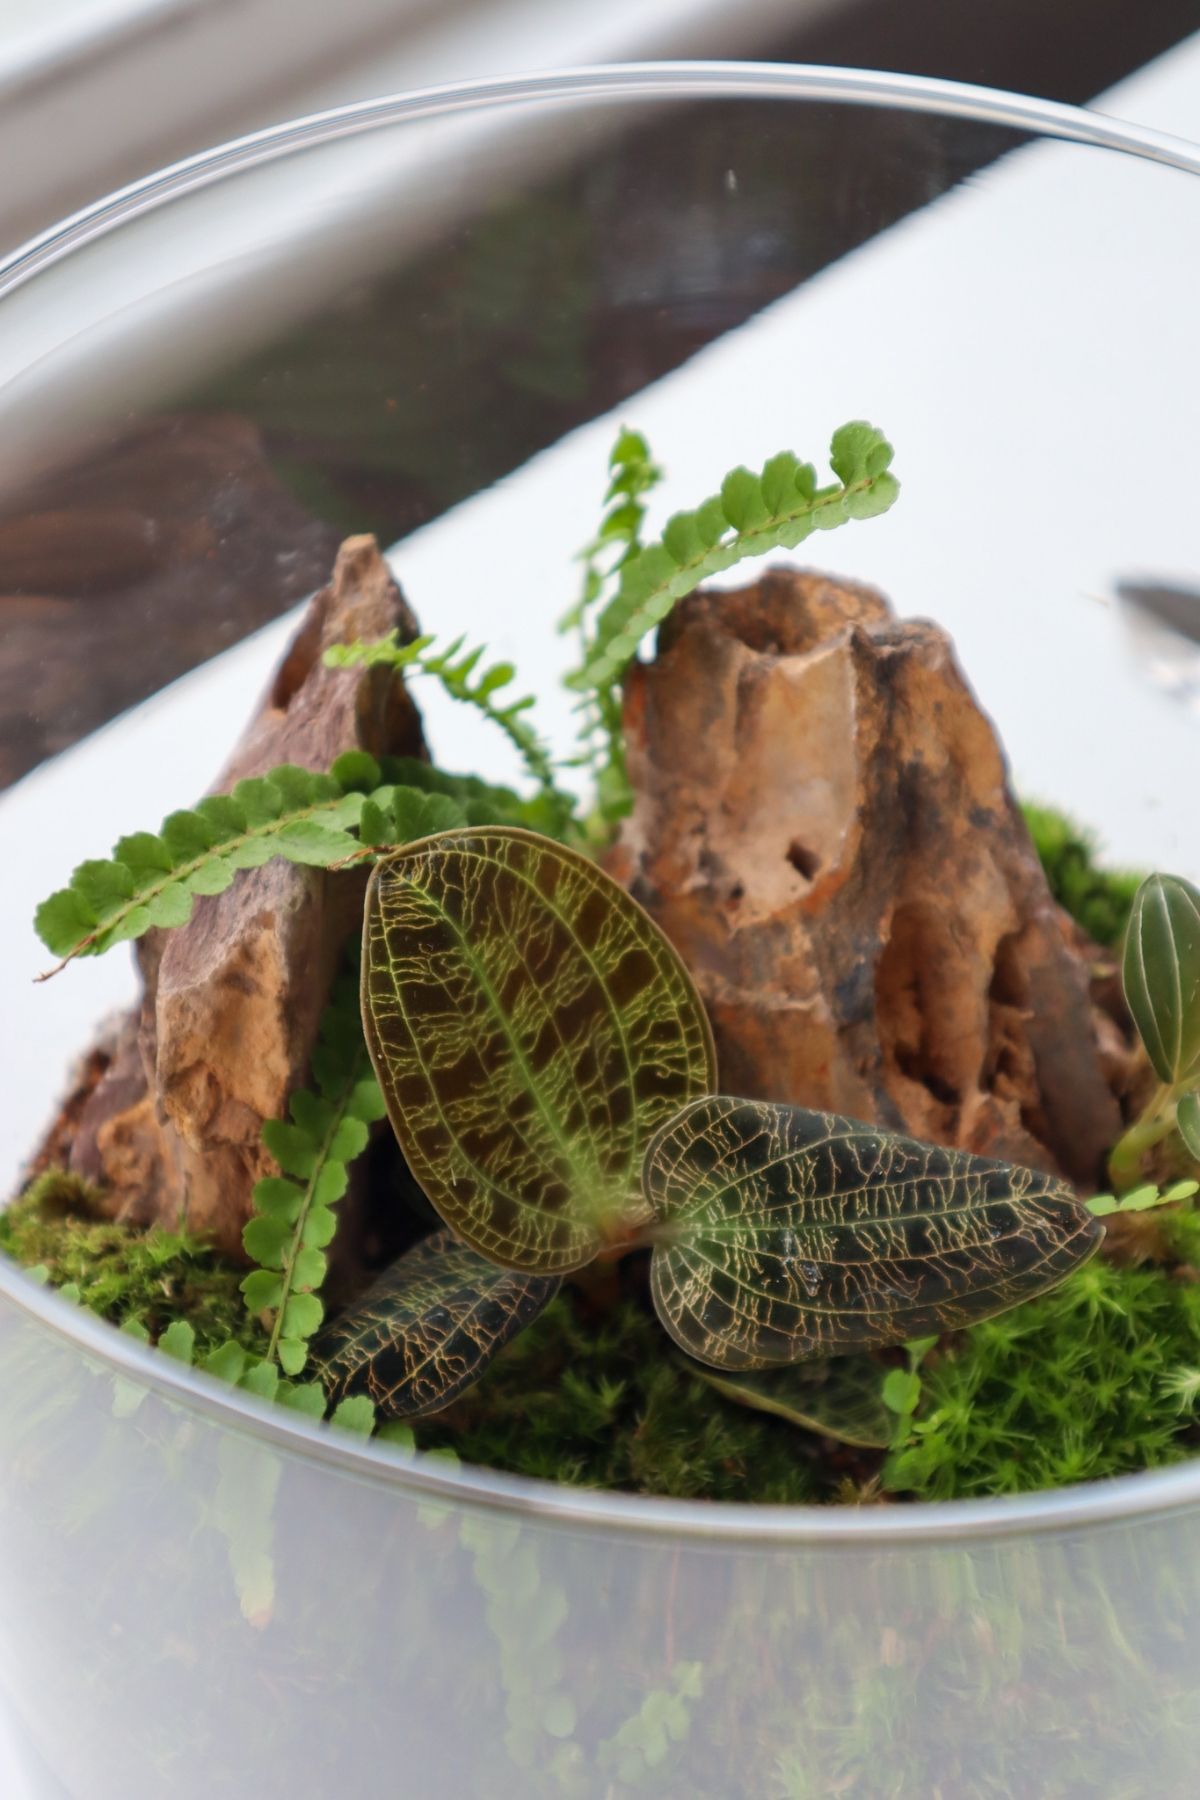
(427, 1328)
(1160, 972)
(531, 1029)
(836, 1396)
(784, 1234)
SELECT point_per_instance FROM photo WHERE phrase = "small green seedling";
(901, 1392)
(1160, 972)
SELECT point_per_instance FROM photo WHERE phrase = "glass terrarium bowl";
(424, 317)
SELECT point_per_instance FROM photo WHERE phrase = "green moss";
(1099, 899)
(607, 1404)
(117, 1271)
(1099, 1378)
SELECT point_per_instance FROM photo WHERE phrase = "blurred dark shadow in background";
(139, 561)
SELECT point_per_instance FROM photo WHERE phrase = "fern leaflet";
(751, 515)
(485, 803)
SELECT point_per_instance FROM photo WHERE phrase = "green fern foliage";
(1142, 1199)
(459, 673)
(751, 515)
(175, 1293)
(152, 878)
(485, 803)
(399, 815)
(260, 1375)
(360, 809)
(632, 474)
(294, 1221)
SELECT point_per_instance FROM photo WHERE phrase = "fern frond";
(632, 473)
(751, 515)
(455, 669)
(307, 818)
(293, 1220)
(152, 879)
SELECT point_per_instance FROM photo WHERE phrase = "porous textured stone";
(824, 828)
(232, 1000)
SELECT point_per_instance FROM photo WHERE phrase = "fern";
(293, 1220)
(399, 815)
(361, 809)
(427, 801)
(153, 878)
(260, 1376)
(751, 515)
(455, 673)
(292, 1225)
(484, 803)
(632, 473)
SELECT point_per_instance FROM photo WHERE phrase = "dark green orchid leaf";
(531, 1029)
(836, 1396)
(784, 1234)
(1161, 974)
(427, 1328)
(1187, 1118)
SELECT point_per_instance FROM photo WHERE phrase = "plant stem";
(1154, 1123)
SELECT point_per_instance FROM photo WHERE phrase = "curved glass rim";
(1121, 1499)
(602, 81)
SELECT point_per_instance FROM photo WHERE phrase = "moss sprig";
(1081, 1384)
(58, 1231)
(1097, 898)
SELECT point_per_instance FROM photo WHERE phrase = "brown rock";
(824, 828)
(232, 1000)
